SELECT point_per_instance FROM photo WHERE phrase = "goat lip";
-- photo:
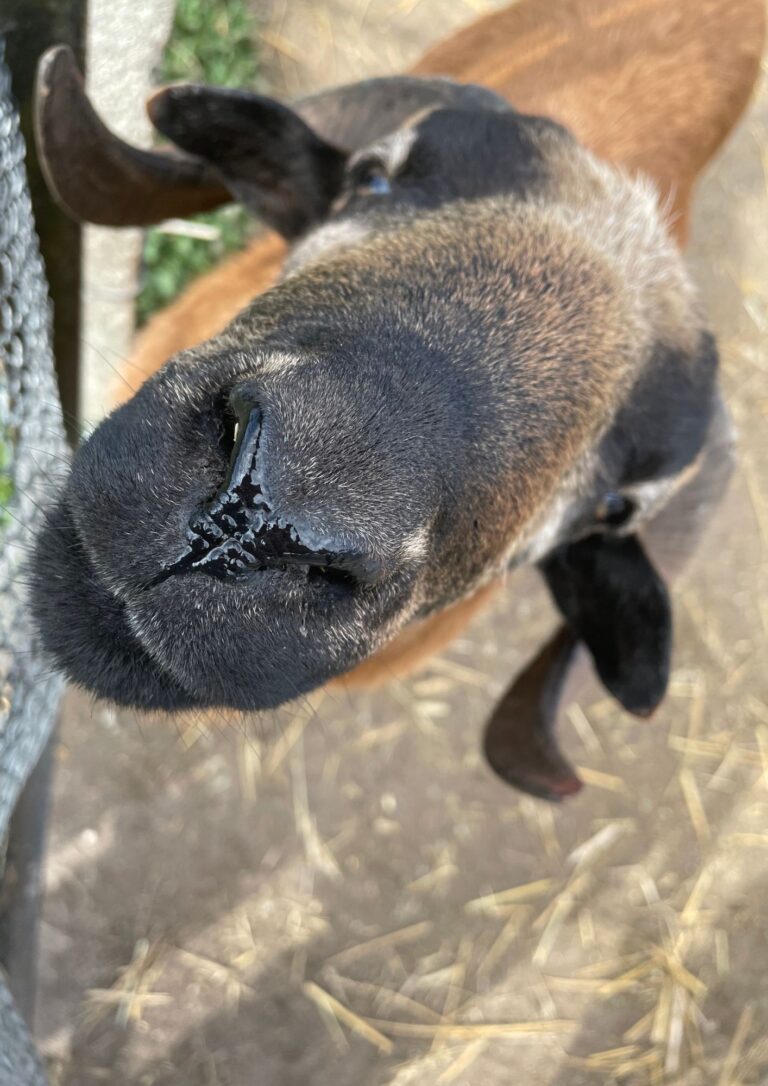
(235, 561)
(85, 627)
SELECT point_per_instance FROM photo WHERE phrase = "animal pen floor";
(343, 894)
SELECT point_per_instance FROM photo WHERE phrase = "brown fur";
(651, 85)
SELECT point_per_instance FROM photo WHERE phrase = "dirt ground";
(343, 893)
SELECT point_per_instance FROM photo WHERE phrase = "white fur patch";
(396, 149)
(651, 496)
(275, 362)
(327, 239)
(414, 546)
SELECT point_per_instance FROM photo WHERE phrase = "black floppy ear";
(267, 156)
(608, 591)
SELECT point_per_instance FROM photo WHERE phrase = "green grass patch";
(6, 483)
(212, 41)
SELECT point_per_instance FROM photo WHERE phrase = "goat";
(483, 350)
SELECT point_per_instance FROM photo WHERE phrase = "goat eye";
(369, 178)
(614, 510)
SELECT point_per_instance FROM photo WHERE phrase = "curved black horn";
(99, 178)
(520, 742)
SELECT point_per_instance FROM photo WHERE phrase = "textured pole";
(32, 460)
(29, 28)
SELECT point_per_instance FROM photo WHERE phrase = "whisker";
(118, 354)
(45, 452)
(26, 527)
(105, 360)
(47, 514)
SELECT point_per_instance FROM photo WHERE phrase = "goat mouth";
(238, 533)
(85, 628)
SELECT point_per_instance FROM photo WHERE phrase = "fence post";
(29, 28)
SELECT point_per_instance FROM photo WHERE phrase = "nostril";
(236, 423)
(225, 426)
(340, 580)
(348, 570)
(238, 533)
(241, 481)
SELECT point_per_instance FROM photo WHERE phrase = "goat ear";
(607, 589)
(520, 742)
(267, 156)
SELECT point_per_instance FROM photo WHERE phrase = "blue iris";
(378, 185)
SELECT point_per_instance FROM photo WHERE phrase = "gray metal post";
(32, 458)
(29, 28)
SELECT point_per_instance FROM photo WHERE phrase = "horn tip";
(59, 57)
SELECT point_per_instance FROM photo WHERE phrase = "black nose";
(239, 533)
